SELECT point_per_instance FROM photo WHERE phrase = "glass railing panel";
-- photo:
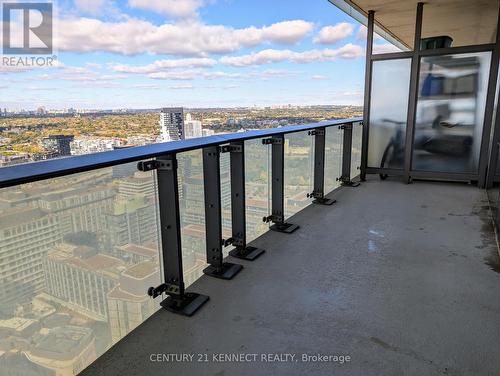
(357, 133)
(334, 142)
(225, 189)
(450, 112)
(495, 123)
(388, 113)
(298, 165)
(192, 214)
(257, 187)
(77, 255)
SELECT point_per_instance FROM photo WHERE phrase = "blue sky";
(195, 53)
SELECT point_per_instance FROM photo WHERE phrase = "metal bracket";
(168, 288)
(231, 149)
(316, 132)
(346, 126)
(347, 182)
(315, 194)
(272, 141)
(157, 165)
(272, 218)
(237, 242)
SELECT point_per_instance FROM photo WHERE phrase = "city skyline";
(140, 54)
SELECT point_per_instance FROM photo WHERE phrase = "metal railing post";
(413, 95)
(213, 222)
(238, 214)
(318, 192)
(367, 99)
(277, 186)
(345, 178)
(179, 301)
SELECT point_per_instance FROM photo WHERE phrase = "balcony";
(360, 246)
(401, 278)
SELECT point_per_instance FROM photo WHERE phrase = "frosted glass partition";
(357, 133)
(77, 255)
(298, 165)
(450, 112)
(388, 112)
(334, 142)
(192, 214)
(257, 187)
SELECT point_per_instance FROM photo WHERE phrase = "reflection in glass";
(192, 214)
(357, 133)
(450, 112)
(77, 255)
(298, 166)
(333, 157)
(496, 123)
(257, 187)
(388, 112)
(467, 23)
(225, 189)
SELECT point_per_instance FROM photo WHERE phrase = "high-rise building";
(58, 145)
(207, 132)
(141, 183)
(133, 220)
(79, 209)
(172, 124)
(128, 303)
(192, 128)
(80, 278)
(26, 237)
(66, 350)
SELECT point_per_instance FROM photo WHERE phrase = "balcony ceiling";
(467, 22)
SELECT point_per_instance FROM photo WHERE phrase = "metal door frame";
(490, 134)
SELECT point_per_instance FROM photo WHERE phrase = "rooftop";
(399, 277)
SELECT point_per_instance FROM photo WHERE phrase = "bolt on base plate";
(228, 270)
(287, 228)
(350, 184)
(248, 253)
(187, 305)
(324, 201)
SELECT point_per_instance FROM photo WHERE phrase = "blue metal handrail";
(30, 172)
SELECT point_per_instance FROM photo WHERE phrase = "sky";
(195, 53)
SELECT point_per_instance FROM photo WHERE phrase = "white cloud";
(187, 38)
(287, 32)
(220, 74)
(146, 86)
(181, 87)
(173, 8)
(349, 51)
(363, 33)
(176, 76)
(80, 74)
(384, 48)
(319, 77)
(90, 6)
(164, 65)
(334, 34)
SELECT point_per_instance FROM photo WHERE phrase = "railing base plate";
(324, 201)
(186, 306)
(228, 270)
(350, 184)
(287, 228)
(248, 253)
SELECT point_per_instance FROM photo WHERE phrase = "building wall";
(23, 248)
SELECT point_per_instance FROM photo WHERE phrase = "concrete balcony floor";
(399, 277)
